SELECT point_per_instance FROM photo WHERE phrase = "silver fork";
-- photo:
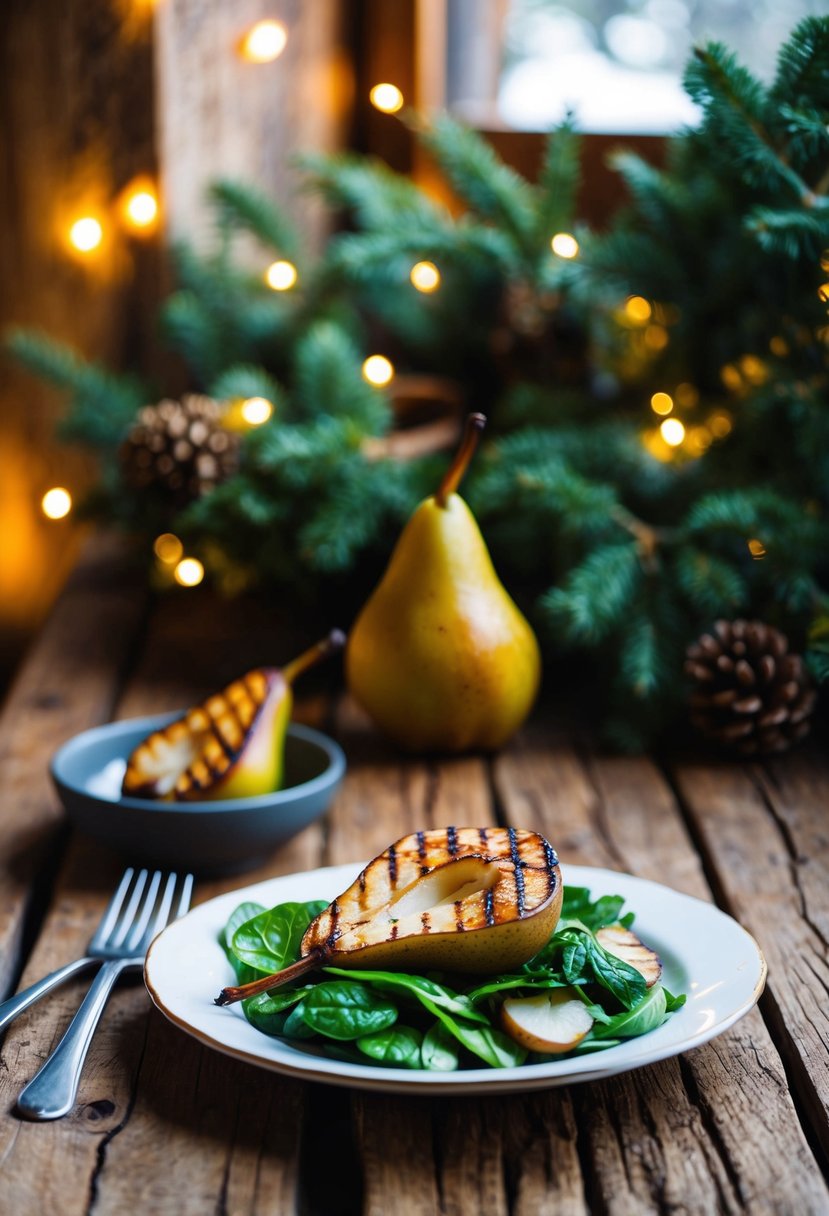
(15, 1005)
(147, 903)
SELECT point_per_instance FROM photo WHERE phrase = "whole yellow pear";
(440, 657)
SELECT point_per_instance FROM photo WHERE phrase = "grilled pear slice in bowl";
(474, 900)
(230, 746)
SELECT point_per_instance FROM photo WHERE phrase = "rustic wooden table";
(169, 1126)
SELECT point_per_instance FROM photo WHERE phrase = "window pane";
(619, 66)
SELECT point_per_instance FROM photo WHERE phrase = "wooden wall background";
(93, 93)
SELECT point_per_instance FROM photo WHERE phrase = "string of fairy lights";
(137, 210)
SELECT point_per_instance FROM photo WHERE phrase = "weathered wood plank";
(764, 834)
(67, 683)
(231, 1131)
(681, 1135)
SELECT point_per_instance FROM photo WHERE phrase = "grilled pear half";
(230, 746)
(479, 900)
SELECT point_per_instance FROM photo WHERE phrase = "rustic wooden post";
(94, 93)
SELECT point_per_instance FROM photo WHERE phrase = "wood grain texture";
(68, 683)
(764, 836)
(680, 1135)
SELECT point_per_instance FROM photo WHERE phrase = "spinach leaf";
(439, 1051)
(295, 1026)
(577, 905)
(270, 940)
(345, 1010)
(530, 982)
(647, 1015)
(573, 958)
(398, 1046)
(246, 911)
(416, 986)
(268, 1011)
(622, 980)
(673, 1002)
(490, 1045)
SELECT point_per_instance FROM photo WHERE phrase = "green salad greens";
(437, 1022)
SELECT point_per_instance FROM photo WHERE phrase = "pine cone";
(750, 694)
(179, 448)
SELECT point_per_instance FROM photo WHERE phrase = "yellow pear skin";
(440, 657)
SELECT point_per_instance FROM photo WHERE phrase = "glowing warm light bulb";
(425, 276)
(264, 42)
(378, 370)
(720, 424)
(672, 431)
(387, 98)
(56, 503)
(638, 310)
(662, 403)
(281, 276)
(168, 548)
(656, 337)
(256, 410)
(189, 572)
(686, 396)
(564, 245)
(86, 234)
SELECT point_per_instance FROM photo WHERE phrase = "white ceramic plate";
(705, 953)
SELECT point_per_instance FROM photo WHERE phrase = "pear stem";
(228, 996)
(315, 654)
(475, 424)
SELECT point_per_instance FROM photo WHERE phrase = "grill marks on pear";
(195, 752)
(439, 882)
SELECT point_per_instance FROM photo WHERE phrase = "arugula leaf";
(398, 1046)
(672, 1003)
(344, 1010)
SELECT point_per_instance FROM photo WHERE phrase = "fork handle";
(52, 1091)
(16, 1004)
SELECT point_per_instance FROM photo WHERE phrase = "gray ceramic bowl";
(206, 837)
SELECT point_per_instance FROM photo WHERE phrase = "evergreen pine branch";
(558, 182)
(247, 380)
(376, 196)
(328, 380)
(807, 131)
(737, 111)
(662, 198)
(595, 596)
(481, 178)
(102, 405)
(197, 335)
(239, 205)
(711, 585)
(374, 257)
(803, 65)
(796, 234)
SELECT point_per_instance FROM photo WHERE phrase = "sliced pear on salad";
(553, 1021)
(623, 944)
(473, 900)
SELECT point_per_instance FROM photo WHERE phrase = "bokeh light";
(387, 98)
(256, 410)
(86, 234)
(189, 572)
(168, 548)
(672, 431)
(425, 276)
(264, 42)
(564, 245)
(378, 370)
(56, 503)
